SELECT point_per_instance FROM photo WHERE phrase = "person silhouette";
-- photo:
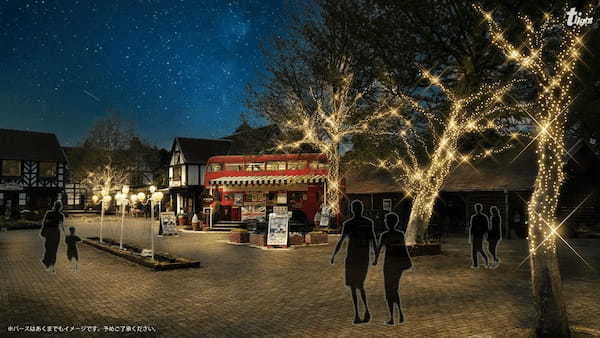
(72, 253)
(361, 240)
(478, 228)
(51, 226)
(494, 234)
(396, 261)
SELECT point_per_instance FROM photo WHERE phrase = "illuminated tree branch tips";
(423, 179)
(328, 125)
(552, 102)
(553, 73)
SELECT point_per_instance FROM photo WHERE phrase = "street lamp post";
(122, 198)
(155, 197)
(104, 201)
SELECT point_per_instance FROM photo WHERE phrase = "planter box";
(316, 238)
(205, 228)
(296, 239)
(239, 237)
(425, 250)
(161, 261)
(258, 239)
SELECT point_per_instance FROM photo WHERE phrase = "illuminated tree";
(430, 149)
(332, 118)
(549, 52)
(106, 179)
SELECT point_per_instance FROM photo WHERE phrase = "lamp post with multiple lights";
(155, 197)
(105, 201)
(123, 200)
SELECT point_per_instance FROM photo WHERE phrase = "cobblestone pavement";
(243, 291)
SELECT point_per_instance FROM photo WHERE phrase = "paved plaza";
(243, 291)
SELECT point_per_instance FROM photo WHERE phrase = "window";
(138, 178)
(22, 199)
(214, 167)
(177, 173)
(318, 165)
(11, 168)
(296, 165)
(254, 196)
(276, 165)
(233, 166)
(255, 166)
(47, 169)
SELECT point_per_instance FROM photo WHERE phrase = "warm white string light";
(423, 179)
(331, 121)
(550, 116)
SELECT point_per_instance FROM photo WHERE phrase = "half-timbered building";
(32, 169)
(187, 168)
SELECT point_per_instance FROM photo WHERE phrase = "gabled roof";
(199, 150)
(29, 145)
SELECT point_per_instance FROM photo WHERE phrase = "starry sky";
(172, 67)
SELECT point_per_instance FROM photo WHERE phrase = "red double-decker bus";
(247, 187)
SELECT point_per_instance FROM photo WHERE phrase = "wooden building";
(32, 169)
(379, 192)
(505, 180)
(187, 168)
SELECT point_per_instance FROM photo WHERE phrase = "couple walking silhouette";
(359, 231)
(482, 225)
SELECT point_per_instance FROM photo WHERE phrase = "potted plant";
(239, 236)
(316, 237)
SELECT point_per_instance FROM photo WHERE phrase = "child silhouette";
(72, 253)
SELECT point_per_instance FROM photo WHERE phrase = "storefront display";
(252, 186)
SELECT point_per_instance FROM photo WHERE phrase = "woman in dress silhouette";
(51, 226)
(495, 233)
(396, 261)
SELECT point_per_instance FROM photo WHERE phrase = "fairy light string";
(421, 178)
(554, 79)
(327, 123)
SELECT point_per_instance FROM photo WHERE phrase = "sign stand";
(168, 222)
(277, 235)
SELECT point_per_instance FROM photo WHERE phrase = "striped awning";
(258, 180)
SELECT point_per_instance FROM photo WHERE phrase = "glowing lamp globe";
(157, 196)
(106, 199)
(152, 189)
(95, 199)
(141, 196)
(133, 198)
(125, 190)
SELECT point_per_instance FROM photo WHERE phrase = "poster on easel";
(278, 230)
(168, 222)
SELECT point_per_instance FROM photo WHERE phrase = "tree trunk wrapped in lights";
(553, 74)
(422, 171)
(332, 118)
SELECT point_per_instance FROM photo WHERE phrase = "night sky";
(174, 68)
